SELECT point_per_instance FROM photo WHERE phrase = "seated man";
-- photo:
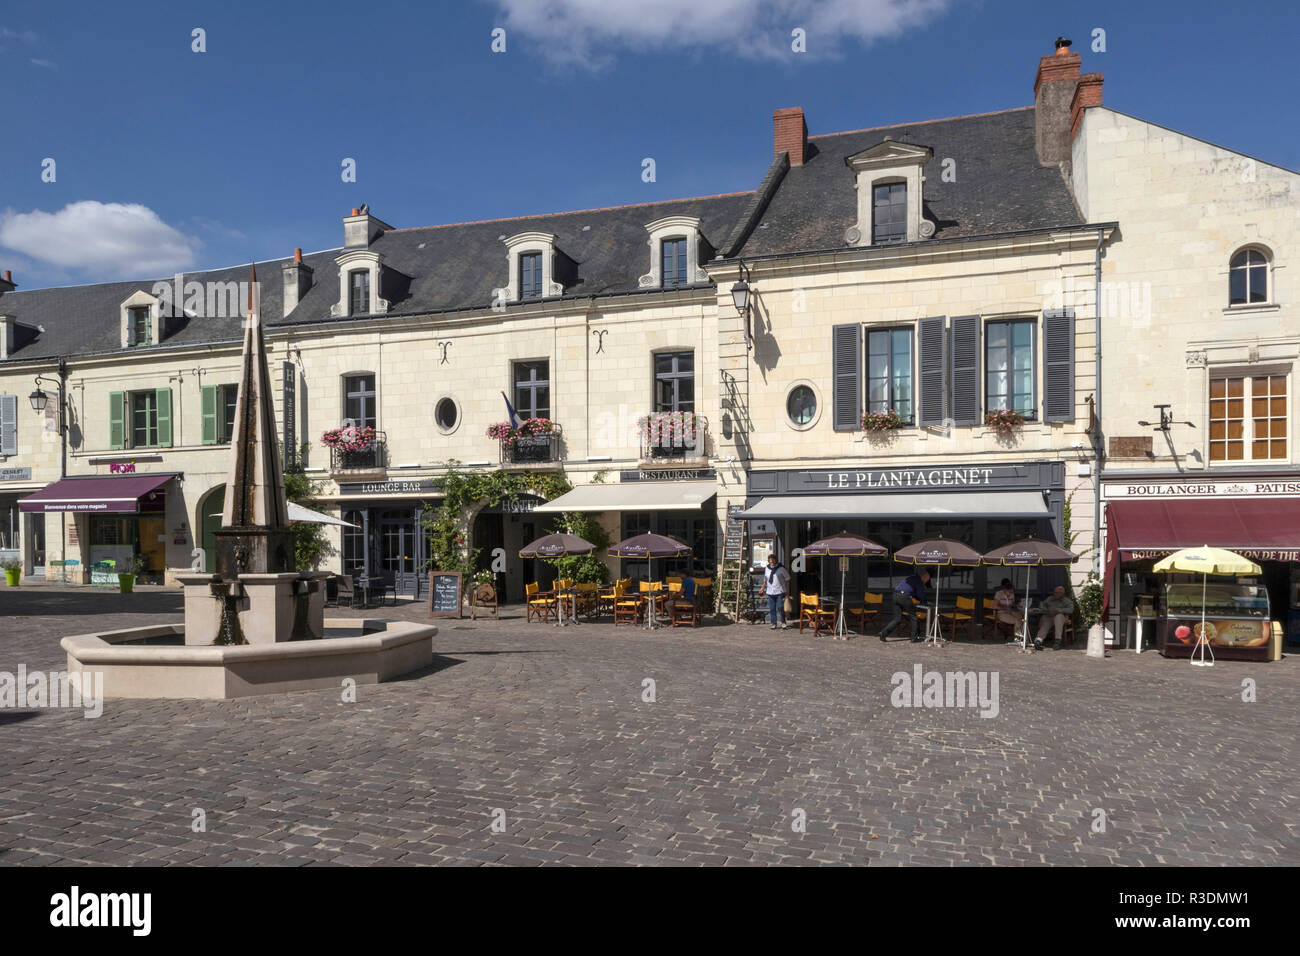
(1056, 609)
(688, 589)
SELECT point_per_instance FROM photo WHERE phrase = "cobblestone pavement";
(751, 730)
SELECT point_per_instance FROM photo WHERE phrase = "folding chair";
(539, 605)
(962, 616)
(813, 614)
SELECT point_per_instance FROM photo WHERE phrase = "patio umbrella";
(941, 553)
(300, 515)
(1205, 561)
(844, 545)
(650, 546)
(558, 545)
(1030, 553)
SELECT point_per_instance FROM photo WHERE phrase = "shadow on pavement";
(51, 601)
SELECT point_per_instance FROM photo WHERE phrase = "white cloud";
(47, 64)
(99, 240)
(590, 32)
(23, 36)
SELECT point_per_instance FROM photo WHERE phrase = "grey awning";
(633, 496)
(952, 504)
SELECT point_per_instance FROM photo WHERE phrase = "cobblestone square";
(546, 732)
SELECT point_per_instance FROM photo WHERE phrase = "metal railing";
(372, 458)
(531, 450)
(676, 445)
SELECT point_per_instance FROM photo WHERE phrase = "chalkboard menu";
(732, 544)
(444, 593)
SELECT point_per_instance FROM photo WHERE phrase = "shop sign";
(122, 468)
(348, 488)
(290, 414)
(895, 478)
(669, 474)
(1204, 489)
(15, 474)
(1255, 554)
(1229, 633)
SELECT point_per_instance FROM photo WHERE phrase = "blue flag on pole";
(515, 420)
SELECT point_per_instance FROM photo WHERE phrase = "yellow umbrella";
(1206, 561)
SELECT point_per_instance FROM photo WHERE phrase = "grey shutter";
(846, 357)
(8, 424)
(964, 364)
(933, 366)
(1058, 365)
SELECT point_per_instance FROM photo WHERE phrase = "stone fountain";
(256, 625)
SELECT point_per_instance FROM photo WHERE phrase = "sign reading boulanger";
(1283, 488)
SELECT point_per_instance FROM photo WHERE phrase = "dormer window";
(889, 213)
(141, 326)
(676, 269)
(358, 292)
(1248, 278)
(141, 321)
(530, 275)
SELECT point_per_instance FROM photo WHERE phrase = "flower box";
(1004, 421)
(882, 421)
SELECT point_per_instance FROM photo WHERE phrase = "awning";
(96, 493)
(1262, 529)
(633, 496)
(300, 515)
(954, 504)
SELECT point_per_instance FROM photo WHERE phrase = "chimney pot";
(1062, 46)
(9, 276)
(297, 255)
(356, 212)
(790, 134)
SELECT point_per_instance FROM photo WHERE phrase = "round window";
(801, 406)
(444, 413)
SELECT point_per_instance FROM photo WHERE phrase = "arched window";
(1248, 278)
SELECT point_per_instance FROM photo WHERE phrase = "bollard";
(1097, 641)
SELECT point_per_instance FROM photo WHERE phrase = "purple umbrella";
(844, 545)
(941, 553)
(557, 546)
(650, 546)
(1030, 553)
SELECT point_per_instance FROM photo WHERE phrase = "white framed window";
(1249, 417)
(675, 244)
(530, 261)
(360, 272)
(1248, 277)
(141, 319)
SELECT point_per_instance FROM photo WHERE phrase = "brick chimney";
(790, 135)
(7, 284)
(361, 229)
(297, 280)
(1087, 93)
(1054, 86)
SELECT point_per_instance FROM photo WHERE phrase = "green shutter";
(164, 399)
(210, 396)
(117, 419)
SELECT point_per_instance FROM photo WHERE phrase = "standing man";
(1055, 610)
(912, 586)
(776, 581)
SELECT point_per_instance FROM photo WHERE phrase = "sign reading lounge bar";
(347, 488)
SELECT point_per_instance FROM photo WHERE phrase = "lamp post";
(740, 299)
(38, 400)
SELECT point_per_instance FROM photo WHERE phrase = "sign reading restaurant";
(1203, 489)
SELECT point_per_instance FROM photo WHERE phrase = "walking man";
(776, 581)
(1056, 609)
(912, 586)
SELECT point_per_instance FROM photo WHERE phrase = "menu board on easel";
(734, 540)
(444, 593)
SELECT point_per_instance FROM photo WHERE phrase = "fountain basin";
(136, 663)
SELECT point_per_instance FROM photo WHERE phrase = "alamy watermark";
(31, 690)
(929, 689)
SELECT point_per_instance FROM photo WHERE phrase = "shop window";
(1009, 364)
(1248, 278)
(676, 270)
(889, 371)
(674, 381)
(359, 406)
(888, 213)
(1259, 436)
(532, 389)
(218, 404)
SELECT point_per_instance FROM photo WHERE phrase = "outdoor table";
(571, 595)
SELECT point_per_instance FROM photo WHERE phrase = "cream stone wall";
(1185, 207)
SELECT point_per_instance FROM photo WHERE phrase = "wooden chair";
(682, 612)
(704, 592)
(346, 591)
(587, 599)
(989, 622)
(627, 605)
(873, 609)
(813, 614)
(1000, 628)
(962, 616)
(539, 605)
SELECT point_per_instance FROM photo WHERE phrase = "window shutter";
(8, 424)
(1058, 365)
(164, 417)
(117, 419)
(933, 365)
(209, 406)
(130, 328)
(964, 368)
(846, 359)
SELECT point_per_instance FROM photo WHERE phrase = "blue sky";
(169, 159)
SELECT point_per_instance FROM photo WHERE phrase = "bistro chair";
(962, 616)
(586, 599)
(539, 605)
(704, 592)
(873, 609)
(813, 614)
(682, 612)
(991, 622)
(627, 607)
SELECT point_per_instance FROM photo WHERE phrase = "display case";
(1237, 620)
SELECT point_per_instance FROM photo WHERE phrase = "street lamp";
(740, 299)
(39, 400)
(38, 397)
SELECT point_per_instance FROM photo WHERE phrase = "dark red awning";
(95, 494)
(1263, 529)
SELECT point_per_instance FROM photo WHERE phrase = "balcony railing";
(372, 458)
(531, 449)
(672, 442)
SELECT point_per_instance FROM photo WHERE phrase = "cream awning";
(955, 504)
(633, 496)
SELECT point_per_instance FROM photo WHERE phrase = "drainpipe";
(1097, 438)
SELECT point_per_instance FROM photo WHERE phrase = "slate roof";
(999, 187)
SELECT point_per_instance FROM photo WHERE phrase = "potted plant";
(882, 421)
(126, 580)
(1004, 421)
(669, 429)
(349, 438)
(13, 569)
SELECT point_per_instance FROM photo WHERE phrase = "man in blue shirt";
(912, 586)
